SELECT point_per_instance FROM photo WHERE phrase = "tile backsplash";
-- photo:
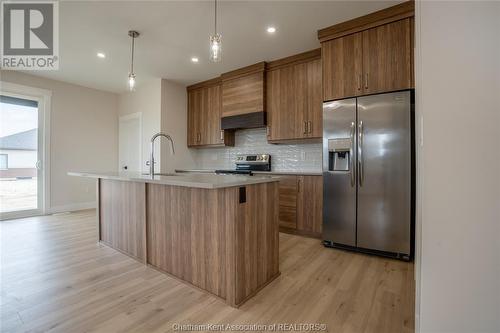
(284, 157)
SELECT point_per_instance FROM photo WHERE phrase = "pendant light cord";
(215, 28)
(132, 63)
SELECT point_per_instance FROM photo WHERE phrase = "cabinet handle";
(310, 126)
(222, 135)
(366, 81)
(305, 127)
(198, 137)
(359, 81)
(298, 185)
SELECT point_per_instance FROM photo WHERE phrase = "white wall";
(458, 98)
(174, 123)
(83, 136)
(147, 100)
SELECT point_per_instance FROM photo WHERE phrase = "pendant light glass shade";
(131, 81)
(131, 75)
(215, 48)
(215, 41)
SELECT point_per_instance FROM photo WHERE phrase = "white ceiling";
(174, 31)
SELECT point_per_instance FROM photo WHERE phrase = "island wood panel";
(288, 202)
(310, 205)
(209, 239)
(342, 67)
(122, 216)
(186, 234)
(387, 57)
(257, 241)
(244, 94)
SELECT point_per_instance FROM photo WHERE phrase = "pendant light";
(215, 41)
(131, 76)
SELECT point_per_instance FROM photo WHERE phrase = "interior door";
(130, 141)
(339, 187)
(384, 172)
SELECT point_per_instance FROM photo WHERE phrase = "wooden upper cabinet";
(294, 103)
(194, 113)
(243, 90)
(342, 67)
(369, 54)
(387, 53)
(204, 114)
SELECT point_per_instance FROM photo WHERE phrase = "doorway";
(22, 151)
(130, 142)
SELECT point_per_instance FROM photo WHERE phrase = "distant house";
(18, 154)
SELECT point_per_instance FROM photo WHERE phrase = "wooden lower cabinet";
(301, 205)
(310, 205)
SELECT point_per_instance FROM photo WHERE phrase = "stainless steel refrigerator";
(368, 174)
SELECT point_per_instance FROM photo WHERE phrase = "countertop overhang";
(197, 180)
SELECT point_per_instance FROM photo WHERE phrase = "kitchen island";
(217, 233)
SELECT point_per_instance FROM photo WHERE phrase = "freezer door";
(384, 172)
(339, 187)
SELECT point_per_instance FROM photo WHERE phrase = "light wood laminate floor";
(55, 277)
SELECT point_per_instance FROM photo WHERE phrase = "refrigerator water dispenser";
(339, 151)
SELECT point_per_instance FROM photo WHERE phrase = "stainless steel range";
(245, 164)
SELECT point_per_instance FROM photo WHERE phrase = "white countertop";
(199, 180)
(277, 173)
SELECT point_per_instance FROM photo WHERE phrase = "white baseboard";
(72, 207)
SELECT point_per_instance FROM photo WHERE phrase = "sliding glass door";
(21, 153)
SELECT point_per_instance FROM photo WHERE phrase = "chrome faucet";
(152, 156)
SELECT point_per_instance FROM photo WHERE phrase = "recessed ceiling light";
(101, 55)
(194, 59)
(271, 30)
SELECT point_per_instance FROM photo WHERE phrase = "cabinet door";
(281, 104)
(288, 202)
(310, 205)
(342, 67)
(387, 57)
(212, 125)
(314, 100)
(298, 92)
(194, 111)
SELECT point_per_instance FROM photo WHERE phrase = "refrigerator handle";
(360, 153)
(351, 155)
